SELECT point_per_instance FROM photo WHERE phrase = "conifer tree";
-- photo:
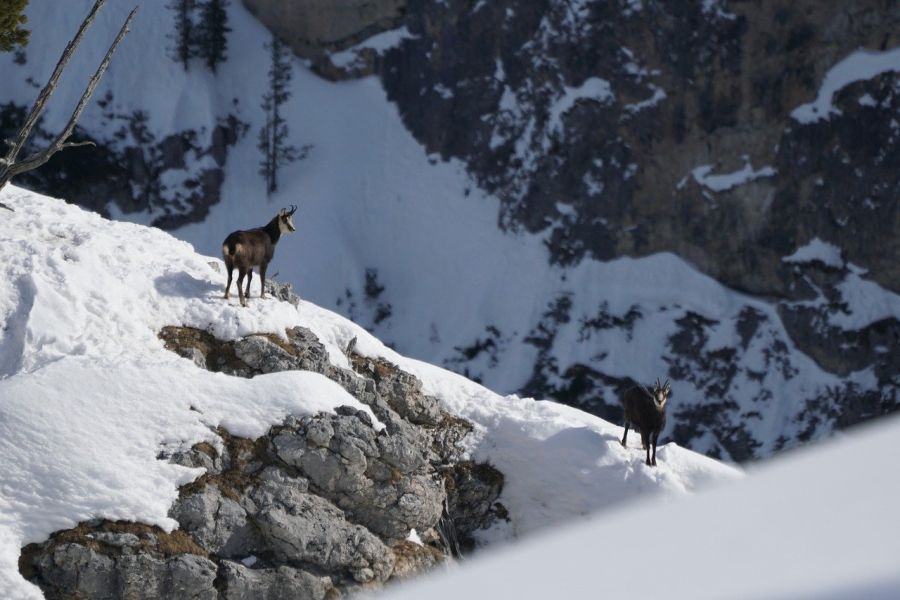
(184, 48)
(212, 35)
(11, 21)
(273, 136)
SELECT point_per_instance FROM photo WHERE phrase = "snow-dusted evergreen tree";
(273, 136)
(11, 21)
(185, 45)
(212, 32)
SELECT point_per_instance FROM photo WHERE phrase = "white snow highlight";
(817, 250)
(858, 66)
(593, 88)
(726, 181)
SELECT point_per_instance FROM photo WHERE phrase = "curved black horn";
(293, 210)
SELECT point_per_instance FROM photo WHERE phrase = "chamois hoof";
(624, 445)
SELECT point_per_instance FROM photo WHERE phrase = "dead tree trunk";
(9, 167)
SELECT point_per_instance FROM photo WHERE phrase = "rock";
(282, 291)
(301, 527)
(472, 493)
(263, 355)
(217, 523)
(279, 583)
(313, 26)
(382, 480)
(411, 559)
(70, 570)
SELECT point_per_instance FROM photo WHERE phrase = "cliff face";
(604, 126)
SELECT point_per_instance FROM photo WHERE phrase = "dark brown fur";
(645, 410)
(254, 248)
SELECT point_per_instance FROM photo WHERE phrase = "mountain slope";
(398, 232)
(91, 399)
(810, 524)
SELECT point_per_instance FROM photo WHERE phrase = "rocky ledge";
(318, 507)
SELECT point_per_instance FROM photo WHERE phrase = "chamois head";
(661, 393)
(286, 220)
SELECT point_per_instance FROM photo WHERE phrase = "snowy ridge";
(90, 397)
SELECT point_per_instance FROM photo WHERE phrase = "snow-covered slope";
(407, 245)
(819, 523)
(89, 397)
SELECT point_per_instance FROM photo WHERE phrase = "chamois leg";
(240, 282)
(647, 462)
(625, 435)
(645, 439)
(230, 267)
(655, 439)
(249, 279)
(262, 280)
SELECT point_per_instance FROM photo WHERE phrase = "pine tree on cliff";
(184, 48)
(212, 35)
(273, 135)
(11, 21)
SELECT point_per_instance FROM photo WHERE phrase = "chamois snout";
(645, 410)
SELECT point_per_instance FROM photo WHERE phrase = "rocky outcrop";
(320, 505)
(312, 27)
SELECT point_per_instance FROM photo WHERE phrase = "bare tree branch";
(11, 168)
(41, 102)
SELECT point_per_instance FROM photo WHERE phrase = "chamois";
(646, 410)
(254, 248)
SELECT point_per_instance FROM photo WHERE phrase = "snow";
(863, 301)
(858, 66)
(379, 43)
(818, 523)
(593, 88)
(816, 249)
(727, 181)
(90, 397)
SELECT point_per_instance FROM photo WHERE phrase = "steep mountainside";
(525, 192)
(160, 441)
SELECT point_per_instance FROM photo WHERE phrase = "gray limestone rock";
(219, 524)
(382, 480)
(300, 527)
(242, 583)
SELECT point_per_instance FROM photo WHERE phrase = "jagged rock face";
(588, 120)
(319, 506)
(313, 26)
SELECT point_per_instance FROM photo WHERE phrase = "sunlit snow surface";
(819, 523)
(89, 397)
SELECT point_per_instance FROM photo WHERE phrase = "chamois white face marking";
(661, 395)
(286, 224)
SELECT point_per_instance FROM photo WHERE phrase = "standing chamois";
(646, 410)
(252, 248)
